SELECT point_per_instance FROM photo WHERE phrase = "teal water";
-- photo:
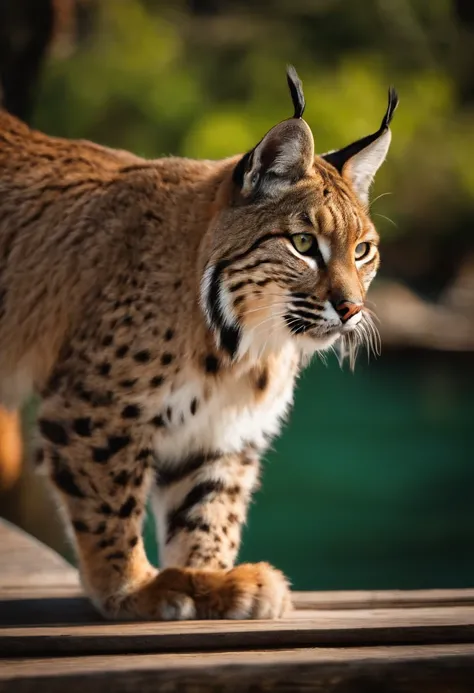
(371, 484)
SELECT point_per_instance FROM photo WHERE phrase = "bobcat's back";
(68, 217)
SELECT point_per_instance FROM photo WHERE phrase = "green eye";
(303, 242)
(361, 251)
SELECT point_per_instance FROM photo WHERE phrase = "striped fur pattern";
(162, 310)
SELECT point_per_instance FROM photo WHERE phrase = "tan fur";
(103, 312)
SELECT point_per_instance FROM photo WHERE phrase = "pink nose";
(346, 309)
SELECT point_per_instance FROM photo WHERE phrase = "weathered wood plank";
(434, 669)
(382, 599)
(304, 629)
(25, 561)
(44, 609)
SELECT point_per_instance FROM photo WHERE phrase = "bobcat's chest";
(224, 414)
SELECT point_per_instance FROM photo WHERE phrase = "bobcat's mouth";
(322, 334)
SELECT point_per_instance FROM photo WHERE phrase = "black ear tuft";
(339, 157)
(391, 108)
(296, 91)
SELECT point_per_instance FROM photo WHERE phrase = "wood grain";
(25, 561)
(434, 669)
(382, 599)
(303, 629)
(52, 604)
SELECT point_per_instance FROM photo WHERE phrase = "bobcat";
(162, 310)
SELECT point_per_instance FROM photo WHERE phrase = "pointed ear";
(360, 161)
(283, 156)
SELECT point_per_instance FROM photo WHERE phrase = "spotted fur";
(162, 311)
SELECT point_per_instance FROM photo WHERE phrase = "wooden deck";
(51, 639)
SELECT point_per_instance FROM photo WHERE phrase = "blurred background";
(371, 484)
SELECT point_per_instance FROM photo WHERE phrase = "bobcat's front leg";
(102, 471)
(200, 505)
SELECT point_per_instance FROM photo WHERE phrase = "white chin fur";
(273, 337)
(310, 345)
(265, 339)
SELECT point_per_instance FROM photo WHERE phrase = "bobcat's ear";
(360, 161)
(283, 156)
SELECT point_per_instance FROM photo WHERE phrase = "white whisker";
(377, 214)
(378, 198)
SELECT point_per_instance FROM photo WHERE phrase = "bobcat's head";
(293, 250)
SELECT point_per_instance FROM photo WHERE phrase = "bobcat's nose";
(347, 309)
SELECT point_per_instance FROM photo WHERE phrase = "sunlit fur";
(273, 294)
(162, 314)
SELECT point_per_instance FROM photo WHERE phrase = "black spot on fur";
(104, 368)
(157, 380)
(144, 454)
(237, 286)
(121, 351)
(128, 383)
(194, 406)
(82, 393)
(131, 411)
(105, 509)
(117, 443)
(165, 476)
(106, 543)
(80, 526)
(211, 364)
(126, 509)
(54, 432)
(83, 426)
(166, 359)
(142, 356)
(54, 383)
(169, 414)
(186, 523)
(158, 421)
(64, 479)
(122, 478)
(115, 555)
(169, 334)
(100, 455)
(39, 457)
(133, 542)
(262, 380)
(107, 341)
(101, 527)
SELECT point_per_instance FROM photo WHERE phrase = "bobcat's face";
(293, 250)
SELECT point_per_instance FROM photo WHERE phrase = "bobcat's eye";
(303, 242)
(362, 250)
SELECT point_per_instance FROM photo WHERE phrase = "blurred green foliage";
(206, 79)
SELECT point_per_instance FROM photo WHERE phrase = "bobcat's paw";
(182, 594)
(247, 591)
(252, 591)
